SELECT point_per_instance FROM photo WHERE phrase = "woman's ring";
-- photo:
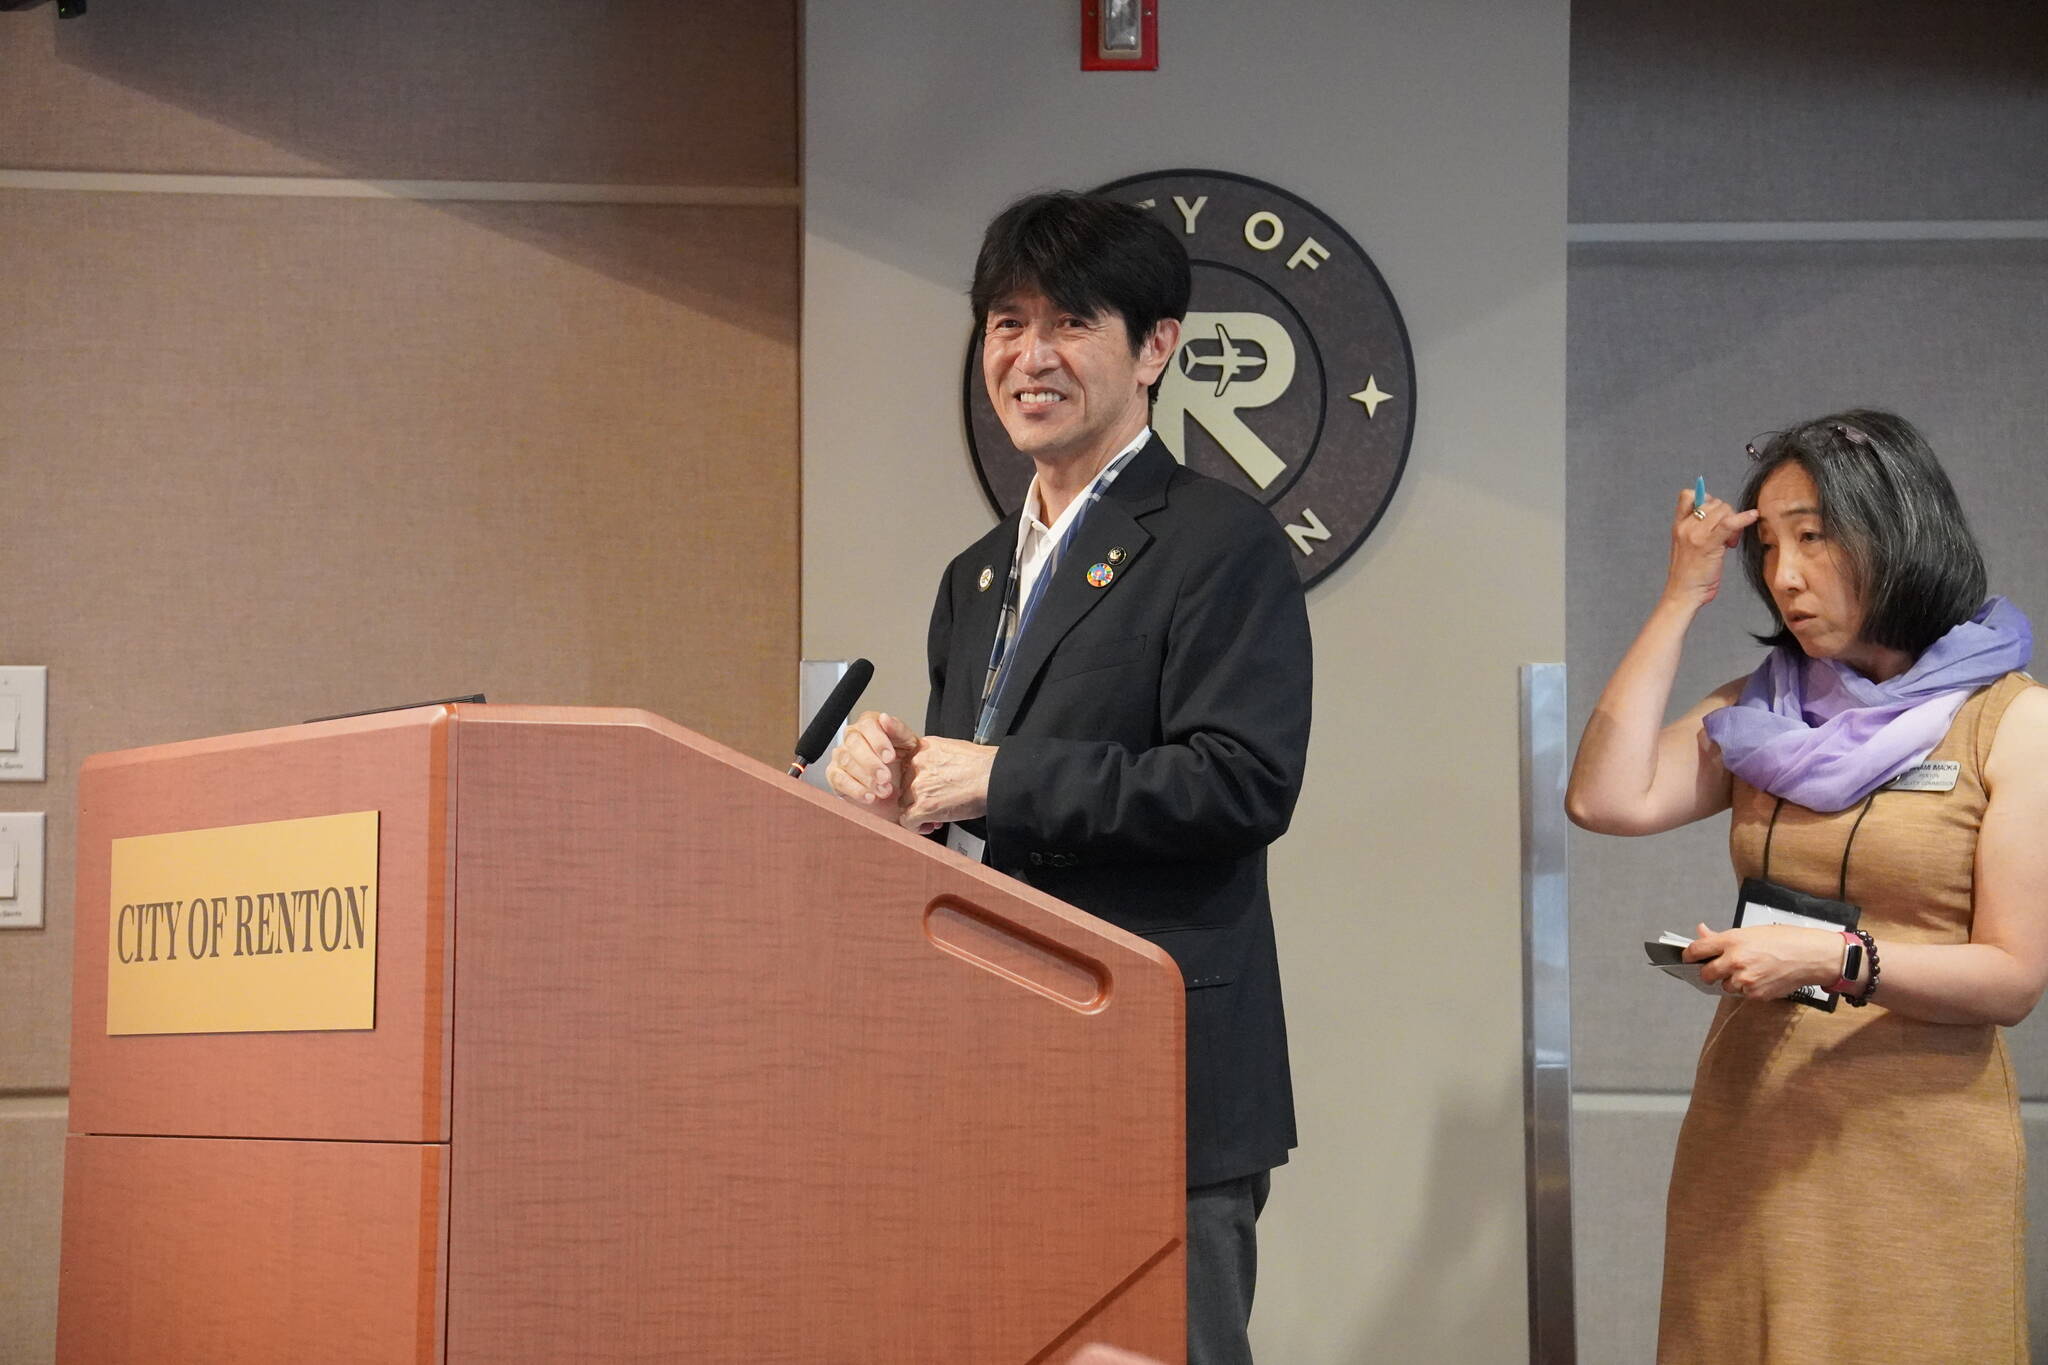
(1700, 512)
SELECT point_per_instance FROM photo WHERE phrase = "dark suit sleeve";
(938, 643)
(938, 650)
(1233, 721)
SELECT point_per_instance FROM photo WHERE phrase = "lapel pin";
(988, 576)
(1101, 576)
(1116, 554)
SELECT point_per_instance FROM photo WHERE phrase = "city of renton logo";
(1294, 379)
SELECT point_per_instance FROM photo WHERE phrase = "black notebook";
(1762, 902)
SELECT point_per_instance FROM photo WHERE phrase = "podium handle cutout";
(1015, 953)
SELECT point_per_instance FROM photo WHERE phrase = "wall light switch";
(23, 711)
(21, 870)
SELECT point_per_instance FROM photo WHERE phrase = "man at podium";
(1120, 681)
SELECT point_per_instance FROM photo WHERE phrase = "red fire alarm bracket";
(1095, 57)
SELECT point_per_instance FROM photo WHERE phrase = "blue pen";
(1699, 497)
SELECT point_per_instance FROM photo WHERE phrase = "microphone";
(831, 715)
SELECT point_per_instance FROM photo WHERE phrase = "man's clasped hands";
(918, 781)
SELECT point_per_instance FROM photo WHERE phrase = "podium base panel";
(183, 1250)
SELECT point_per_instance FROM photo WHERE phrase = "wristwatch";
(1852, 963)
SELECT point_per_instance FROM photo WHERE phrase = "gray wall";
(1680, 351)
(1397, 1232)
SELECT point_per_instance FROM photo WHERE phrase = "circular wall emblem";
(1294, 379)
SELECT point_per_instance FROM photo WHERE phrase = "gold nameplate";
(266, 928)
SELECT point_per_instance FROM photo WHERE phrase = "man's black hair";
(1886, 500)
(1089, 255)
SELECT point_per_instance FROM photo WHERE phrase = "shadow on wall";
(1469, 1256)
(635, 92)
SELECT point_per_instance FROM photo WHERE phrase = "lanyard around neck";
(1010, 625)
(1842, 882)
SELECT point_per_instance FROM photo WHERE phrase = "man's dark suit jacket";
(1152, 741)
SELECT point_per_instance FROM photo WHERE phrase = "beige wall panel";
(632, 91)
(268, 459)
(31, 1211)
(1397, 1232)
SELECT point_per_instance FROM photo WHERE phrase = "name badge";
(1927, 777)
(965, 844)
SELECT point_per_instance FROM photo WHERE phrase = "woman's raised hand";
(1699, 547)
(1636, 774)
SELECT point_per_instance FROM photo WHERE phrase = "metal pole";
(1546, 1018)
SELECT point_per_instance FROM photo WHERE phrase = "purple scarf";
(1820, 734)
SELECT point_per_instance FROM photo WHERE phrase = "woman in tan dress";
(1849, 1182)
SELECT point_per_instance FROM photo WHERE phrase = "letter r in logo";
(1227, 362)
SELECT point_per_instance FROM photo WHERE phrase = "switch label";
(21, 870)
(22, 693)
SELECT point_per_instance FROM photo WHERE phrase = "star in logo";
(1371, 396)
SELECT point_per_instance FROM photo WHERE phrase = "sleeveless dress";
(1850, 1185)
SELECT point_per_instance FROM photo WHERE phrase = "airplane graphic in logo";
(1229, 360)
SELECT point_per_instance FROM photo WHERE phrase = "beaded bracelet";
(1869, 951)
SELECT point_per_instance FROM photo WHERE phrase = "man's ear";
(1157, 348)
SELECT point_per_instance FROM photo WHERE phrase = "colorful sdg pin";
(1100, 576)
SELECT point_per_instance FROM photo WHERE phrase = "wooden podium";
(674, 1059)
